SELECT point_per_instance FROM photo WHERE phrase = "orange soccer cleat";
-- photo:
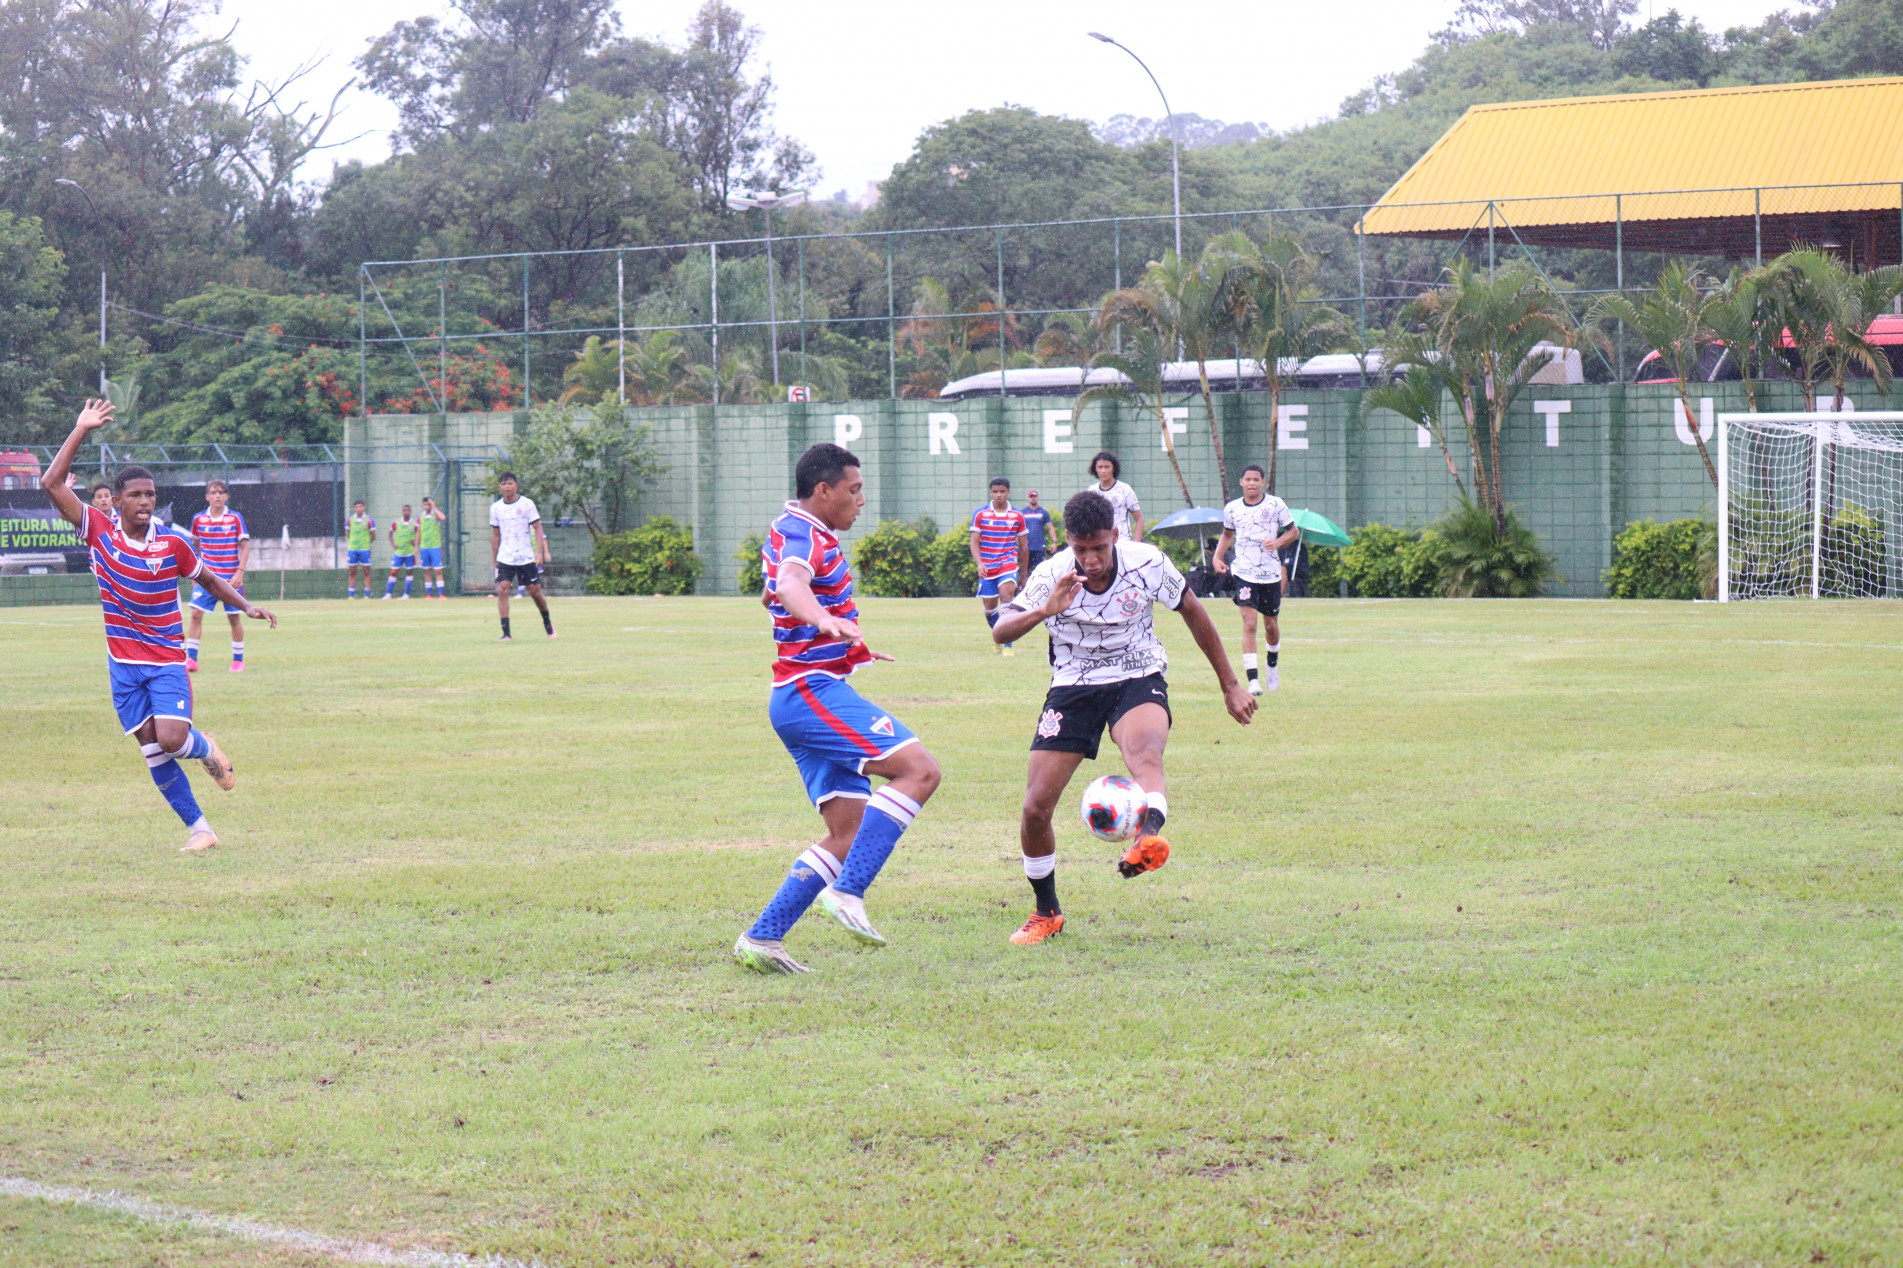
(1038, 928)
(1147, 854)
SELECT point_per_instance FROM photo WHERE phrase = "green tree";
(1828, 310)
(1674, 320)
(1483, 334)
(1743, 316)
(30, 277)
(1276, 311)
(592, 463)
(1136, 317)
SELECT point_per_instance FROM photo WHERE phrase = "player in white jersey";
(1258, 524)
(1108, 469)
(1107, 670)
(518, 545)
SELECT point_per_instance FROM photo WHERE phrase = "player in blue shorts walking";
(138, 565)
(999, 539)
(836, 737)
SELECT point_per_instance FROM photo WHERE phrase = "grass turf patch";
(1557, 931)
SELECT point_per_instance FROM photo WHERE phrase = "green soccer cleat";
(850, 911)
(764, 956)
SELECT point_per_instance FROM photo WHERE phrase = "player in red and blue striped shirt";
(225, 547)
(1000, 537)
(836, 737)
(138, 565)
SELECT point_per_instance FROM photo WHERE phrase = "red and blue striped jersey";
(796, 540)
(217, 537)
(998, 533)
(138, 588)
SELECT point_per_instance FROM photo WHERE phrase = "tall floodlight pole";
(766, 203)
(100, 224)
(1176, 170)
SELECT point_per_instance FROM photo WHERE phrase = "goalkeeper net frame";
(1809, 505)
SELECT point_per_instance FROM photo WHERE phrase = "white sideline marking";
(251, 1230)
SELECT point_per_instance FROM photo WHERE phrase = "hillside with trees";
(132, 139)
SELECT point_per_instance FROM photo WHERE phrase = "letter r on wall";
(942, 431)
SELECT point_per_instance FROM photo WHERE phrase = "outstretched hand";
(880, 655)
(262, 614)
(1240, 703)
(96, 415)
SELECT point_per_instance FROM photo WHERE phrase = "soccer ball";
(1113, 807)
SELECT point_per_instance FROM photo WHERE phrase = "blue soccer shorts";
(430, 556)
(832, 732)
(988, 587)
(149, 691)
(204, 601)
(402, 561)
(354, 557)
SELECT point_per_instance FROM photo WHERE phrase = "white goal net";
(1808, 506)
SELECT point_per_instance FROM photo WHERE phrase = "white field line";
(337, 1248)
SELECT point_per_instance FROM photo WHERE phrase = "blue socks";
(888, 815)
(172, 783)
(812, 871)
(408, 577)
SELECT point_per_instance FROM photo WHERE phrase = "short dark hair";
(822, 464)
(127, 475)
(1087, 514)
(998, 480)
(507, 475)
(1257, 468)
(1116, 463)
(94, 491)
(216, 483)
(358, 502)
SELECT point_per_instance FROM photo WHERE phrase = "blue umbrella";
(1197, 521)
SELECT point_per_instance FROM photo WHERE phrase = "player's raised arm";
(58, 472)
(1235, 696)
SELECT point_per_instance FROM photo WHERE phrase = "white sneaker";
(1271, 679)
(403, 596)
(764, 955)
(388, 596)
(1255, 688)
(850, 911)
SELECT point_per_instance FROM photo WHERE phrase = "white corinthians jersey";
(514, 518)
(1254, 526)
(1108, 637)
(1122, 499)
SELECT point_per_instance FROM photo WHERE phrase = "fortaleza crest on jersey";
(1050, 724)
(882, 726)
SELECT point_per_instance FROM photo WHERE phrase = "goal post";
(1809, 505)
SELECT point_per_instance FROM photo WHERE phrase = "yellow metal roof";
(1561, 162)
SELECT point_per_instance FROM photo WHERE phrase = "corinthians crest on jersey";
(1108, 637)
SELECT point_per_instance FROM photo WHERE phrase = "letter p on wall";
(847, 428)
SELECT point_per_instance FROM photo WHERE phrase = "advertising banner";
(35, 540)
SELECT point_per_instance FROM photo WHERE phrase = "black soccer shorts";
(1264, 596)
(518, 574)
(1075, 718)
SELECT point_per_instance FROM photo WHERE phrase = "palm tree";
(1067, 339)
(947, 340)
(1742, 316)
(1674, 319)
(593, 375)
(1834, 308)
(658, 371)
(1189, 300)
(1416, 396)
(1137, 314)
(1482, 333)
(1269, 297)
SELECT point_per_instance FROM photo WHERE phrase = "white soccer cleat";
(1255, 688)
(850, 910)
(1271, 679)
(764, 955)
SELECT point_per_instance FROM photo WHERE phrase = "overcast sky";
(859, 80)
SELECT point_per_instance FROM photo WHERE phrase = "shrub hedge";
(1674, 560)
(656, 558)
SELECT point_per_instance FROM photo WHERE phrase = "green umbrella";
(1319, 530)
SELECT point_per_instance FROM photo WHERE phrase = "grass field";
(1512, 932)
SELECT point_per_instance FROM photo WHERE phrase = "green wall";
(1618, 457)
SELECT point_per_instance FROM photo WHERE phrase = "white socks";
(1158, 802)
(1037, 869)
(1248, 660)
(821, 862)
